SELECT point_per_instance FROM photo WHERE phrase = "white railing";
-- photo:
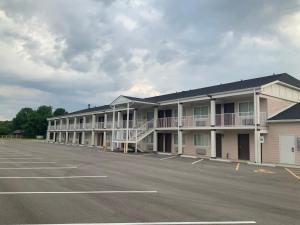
(123, 124)
(88, 126)
(195, 121)
(239, 119)
(99, 125)
(71, 126)
(63, 127)
(167, 122)
(109, 124)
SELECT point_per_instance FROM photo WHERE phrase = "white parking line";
(18, 158)
(76, 192)
(163, 223)
(67, 177)
(170, 157)
(197, 161)
(38, 168)
(26, 162)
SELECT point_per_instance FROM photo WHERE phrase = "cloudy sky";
(70, 53)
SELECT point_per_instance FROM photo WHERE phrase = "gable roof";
(292, 113)
(232, 86)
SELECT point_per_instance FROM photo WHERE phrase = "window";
(246, 108)
(201, 140)
(201, 111)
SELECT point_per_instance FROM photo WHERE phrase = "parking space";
(65, 184)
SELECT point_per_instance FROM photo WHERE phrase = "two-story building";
(226, 121)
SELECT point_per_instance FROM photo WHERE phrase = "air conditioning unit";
(201, 151)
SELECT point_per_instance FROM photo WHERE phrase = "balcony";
(195, 121)
(99, 125)
(167, 122)
(240, 119)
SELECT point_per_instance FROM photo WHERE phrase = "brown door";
(160, 142)
(219, 145)
(243, 147)
(168, 142)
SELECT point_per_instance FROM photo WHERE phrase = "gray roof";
(292, 113)
(233, 86)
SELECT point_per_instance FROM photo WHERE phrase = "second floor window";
(246, 108)
(201, 111)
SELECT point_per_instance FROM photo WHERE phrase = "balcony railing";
(88, 126)
(167, 122)
(99, 125)
(239, 119)
(195, 121)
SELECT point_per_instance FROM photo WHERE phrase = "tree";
(43, 112)
(59, 112)
(5, 127)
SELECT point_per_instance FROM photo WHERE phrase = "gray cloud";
(74, 52)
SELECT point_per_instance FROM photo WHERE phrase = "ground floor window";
(201, 140)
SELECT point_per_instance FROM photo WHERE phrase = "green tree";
(59, 112)
(43, 112)
(5, 127)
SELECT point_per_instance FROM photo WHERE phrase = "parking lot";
(57, 184)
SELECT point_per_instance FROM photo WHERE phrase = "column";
(155, 116)
(104, 139)
(59, 137)
(93, 138)
(75, 122)
(134, 119)
(179, 132)
(113, 129)
(213, 143)
(83, 138)
(93, 121)
(67, 137)
(67, 123)
(74, 138)
(60, 124)
(213, 112)
(257, 145)
(55, 124)
(54, 136)
(180, 151)
(84, 122)
(119, 120)
(105, 121)
(49, 124)
(127, 129)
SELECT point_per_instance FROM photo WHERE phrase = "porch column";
(127, 130)
(67, 123)
(83, 138)
(59, 137)
(49, 124)
(257, 146)
(118, 120)
(67, 137)
(105, 121)
(213, 112)
(155, 116)
(84, 122)
(54, 136)
(113, 130)
(213, 143)
(104, 139)
(179, 132)
(75, 121)
(55, 124)
(93, 121)
(93, 138)
(134, 119)
(74, 138)
(60, 124)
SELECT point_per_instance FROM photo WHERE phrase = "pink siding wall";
(271, 145)
(273, 105)
(189, 148)
(230, 144)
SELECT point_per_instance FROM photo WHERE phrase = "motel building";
(255, 120)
